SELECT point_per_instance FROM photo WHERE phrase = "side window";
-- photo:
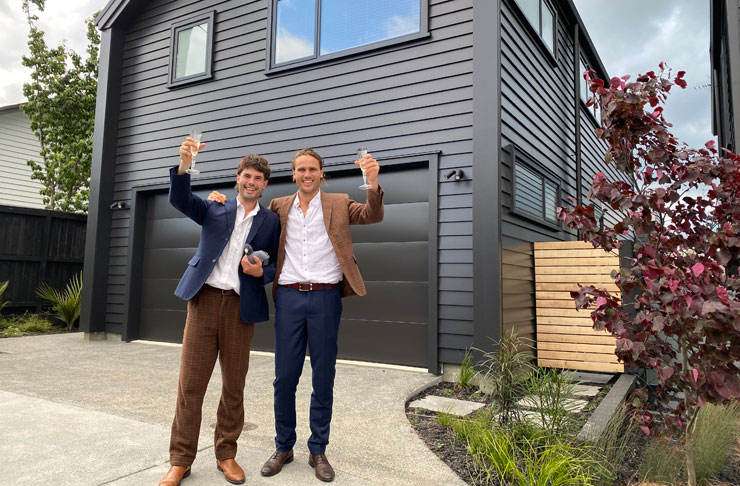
(304, 31)
(586, 93)
(541, 17)
(536, 193)
(191, 50)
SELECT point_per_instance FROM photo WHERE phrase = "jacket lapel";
(326, 209)
(259, 218)
(230, 215)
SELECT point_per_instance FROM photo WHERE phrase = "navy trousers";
(305, 318)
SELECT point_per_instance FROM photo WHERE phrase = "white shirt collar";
(315, 200)
(252, 213)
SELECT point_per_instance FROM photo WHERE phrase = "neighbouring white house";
(18, 144)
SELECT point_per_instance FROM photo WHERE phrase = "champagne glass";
(362, 152)
(196, 135)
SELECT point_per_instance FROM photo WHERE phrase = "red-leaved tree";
(681, 212)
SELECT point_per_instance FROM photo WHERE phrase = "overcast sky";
(630, 35)
(633, 36)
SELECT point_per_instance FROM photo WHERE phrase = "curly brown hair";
(256, 162)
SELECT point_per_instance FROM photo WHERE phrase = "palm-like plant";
(3, 288)
(65, 303)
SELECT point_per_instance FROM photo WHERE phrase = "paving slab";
(571, 405)
(588, 377)
(100, 413)
(452, 406)
(586, 390)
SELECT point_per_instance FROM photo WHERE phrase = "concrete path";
(90, 413)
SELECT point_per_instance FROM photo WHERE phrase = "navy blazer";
(217, 221)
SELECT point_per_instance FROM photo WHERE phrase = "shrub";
(65, 303)
(709, 447)
(681, 210)
(505, 371)
(713, 439)
(550, 393)
(467, 370)
(526, 455)
(20, 325)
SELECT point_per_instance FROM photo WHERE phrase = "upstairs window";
(191, 48)
(536, 193)
(541, 16)
(308, 30)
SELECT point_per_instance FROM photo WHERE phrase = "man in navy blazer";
(225, 294)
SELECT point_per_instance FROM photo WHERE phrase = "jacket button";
(213, 261)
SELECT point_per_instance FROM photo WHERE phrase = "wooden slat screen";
(565, 337)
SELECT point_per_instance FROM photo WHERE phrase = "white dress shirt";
(225, 274)
(309, 254)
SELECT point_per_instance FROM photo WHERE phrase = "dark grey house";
(474, 108)
(725, 51)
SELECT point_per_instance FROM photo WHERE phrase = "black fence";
(38, 246)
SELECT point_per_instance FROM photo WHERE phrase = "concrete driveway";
(74, 412)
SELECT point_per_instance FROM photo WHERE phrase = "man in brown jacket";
(315, 269)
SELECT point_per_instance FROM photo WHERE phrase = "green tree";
(61, 108)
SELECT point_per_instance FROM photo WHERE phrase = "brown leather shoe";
(322, 468)
(175, 475)
(276, 462)
(232, 470)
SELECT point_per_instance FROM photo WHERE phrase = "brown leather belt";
(309, 286)
(211, 288)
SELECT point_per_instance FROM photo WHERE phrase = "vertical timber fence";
(36, 246)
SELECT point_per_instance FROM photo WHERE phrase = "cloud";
(633, 36)
(61, 21)
(290, 46)
(399, 25)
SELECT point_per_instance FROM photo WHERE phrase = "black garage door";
(388, 325)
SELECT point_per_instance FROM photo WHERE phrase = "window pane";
(531, 9)
(352, 23)
(296, 29)
(528, 190)
(584, 84)
(192, 46)
(551, 201)
(548, 27)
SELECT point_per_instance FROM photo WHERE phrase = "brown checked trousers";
(212, 330)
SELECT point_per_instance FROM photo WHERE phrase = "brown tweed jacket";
(339, 212)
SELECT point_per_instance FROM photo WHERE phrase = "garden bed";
(439, 433)
(29, 324)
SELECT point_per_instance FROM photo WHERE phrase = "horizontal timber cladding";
(565, 335)
(517, 288)
(404, 99)
(538, 118)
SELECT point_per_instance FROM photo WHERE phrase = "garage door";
(388, 325)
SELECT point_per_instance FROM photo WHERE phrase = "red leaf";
(665, 373)
(695, 374)
(722, 294)
(697, 269)
(645, 429)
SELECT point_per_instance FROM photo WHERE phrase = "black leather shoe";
(276, 462)
(321, 467)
